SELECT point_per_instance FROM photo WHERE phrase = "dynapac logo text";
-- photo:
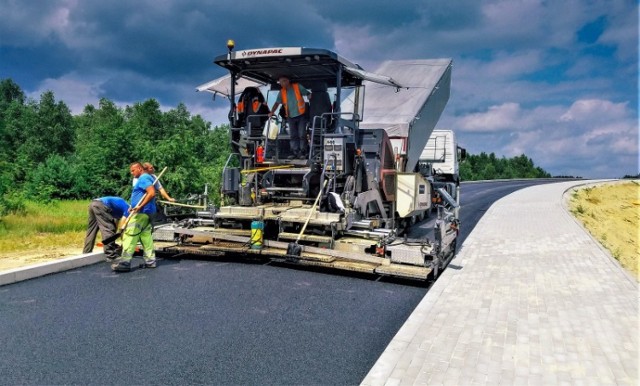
(262, 52)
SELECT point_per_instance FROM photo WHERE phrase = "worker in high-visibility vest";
(139, 228)
(291, 96)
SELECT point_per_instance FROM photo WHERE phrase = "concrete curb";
(25, 273)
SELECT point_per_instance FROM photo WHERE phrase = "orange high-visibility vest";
(299, 99)
(255, 105)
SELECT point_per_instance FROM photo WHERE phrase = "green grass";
(61, 223)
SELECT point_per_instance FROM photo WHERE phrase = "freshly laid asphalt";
(197, 322)
(531, 298)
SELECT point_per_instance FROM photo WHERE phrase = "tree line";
(47, 153)
(490, 167)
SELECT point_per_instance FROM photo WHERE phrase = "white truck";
(439, 162)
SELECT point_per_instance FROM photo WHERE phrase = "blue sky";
(555, 80)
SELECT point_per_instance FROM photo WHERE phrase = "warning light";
(231, 45)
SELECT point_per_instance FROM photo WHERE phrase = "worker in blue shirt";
(104, 214)
(139, 229)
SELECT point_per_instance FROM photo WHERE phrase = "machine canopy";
(308, 66)
(222, 85)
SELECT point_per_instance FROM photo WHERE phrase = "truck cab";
(439, 162)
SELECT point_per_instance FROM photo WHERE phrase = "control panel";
(334, 152)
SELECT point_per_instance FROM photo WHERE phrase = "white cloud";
(76, 92)
(591, 138)
(496, 118)
(595, 110)
(623, 24)
(216, 114)
(515, 65)
(519, 17)
(58, 20)
(356, 40)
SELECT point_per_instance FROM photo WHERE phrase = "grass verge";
(59, 224)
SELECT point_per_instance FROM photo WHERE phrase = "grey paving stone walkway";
(531, 299)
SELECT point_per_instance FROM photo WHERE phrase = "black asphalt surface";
(208, 322)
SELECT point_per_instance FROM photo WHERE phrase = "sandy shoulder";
(611, 213)
(23, 259)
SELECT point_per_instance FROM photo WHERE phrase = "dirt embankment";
(611, 213)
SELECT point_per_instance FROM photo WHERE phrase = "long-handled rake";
(295, 249)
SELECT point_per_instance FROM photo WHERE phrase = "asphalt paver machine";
(349, 203)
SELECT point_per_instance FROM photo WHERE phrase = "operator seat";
(320, 104)
(255, 111)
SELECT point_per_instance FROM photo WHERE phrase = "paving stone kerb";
(531, 298)
(49, 267)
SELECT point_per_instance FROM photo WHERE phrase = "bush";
(12, 203)
(52, 180)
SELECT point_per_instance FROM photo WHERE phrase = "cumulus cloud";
(595, 110)
(76, 92)
(503, 117)
(216, 114)
(590, 138)
(623, 23)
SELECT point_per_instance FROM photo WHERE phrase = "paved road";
(475, 199)
(204, 322)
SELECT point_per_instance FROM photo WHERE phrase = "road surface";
(214, 322)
